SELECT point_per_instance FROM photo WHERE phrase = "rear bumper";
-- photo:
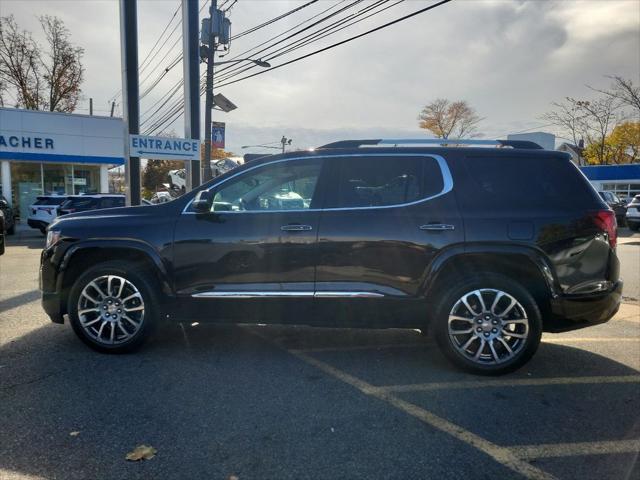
(572, 312)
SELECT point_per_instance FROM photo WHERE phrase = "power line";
(321, 50)
(337, 44)
(273, 20)
(173, 106)
(323, 32)
(254, 53)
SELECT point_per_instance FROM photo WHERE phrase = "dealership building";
(56, 153)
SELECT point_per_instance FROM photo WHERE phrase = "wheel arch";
(525, 264)
(79, 256)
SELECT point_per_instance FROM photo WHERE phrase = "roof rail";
(441, 142)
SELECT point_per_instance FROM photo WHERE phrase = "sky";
(508, 58)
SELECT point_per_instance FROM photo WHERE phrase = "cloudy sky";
(508, 58)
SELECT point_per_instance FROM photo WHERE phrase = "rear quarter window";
(526, 183)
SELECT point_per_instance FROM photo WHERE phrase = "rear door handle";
(296, 228)
(437, 227)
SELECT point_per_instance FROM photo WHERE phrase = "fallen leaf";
(74, 434)
(141, 452)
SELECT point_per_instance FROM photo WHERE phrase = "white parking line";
(515, 382)
(530, 452)
(502, 455)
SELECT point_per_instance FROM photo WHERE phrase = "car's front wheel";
(112, 307)
(489, 324)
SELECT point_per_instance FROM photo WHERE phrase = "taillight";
(606, 220)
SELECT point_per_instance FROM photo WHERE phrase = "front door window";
(283, 186)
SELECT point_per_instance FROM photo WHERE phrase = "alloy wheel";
(488, 326)
(110, 309)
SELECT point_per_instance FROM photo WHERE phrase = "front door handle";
(437, 227)
(296, 228)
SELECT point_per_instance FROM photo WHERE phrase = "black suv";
(488, 247)
(82, 203)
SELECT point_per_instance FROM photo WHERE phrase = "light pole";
(210, 49)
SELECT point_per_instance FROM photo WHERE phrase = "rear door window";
(375, 181)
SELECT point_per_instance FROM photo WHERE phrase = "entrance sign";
(217, 134)
(164, 148)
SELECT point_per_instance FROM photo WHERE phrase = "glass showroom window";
(86, 179)
(57, 179)
(26, 184)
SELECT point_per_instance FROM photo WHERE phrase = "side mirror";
(202, 202)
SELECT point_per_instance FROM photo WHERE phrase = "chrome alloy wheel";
(110, 309)
(488, 326)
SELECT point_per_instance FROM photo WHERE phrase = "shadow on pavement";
(218, 400)
(18, 300)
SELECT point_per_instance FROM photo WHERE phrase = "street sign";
(164, 148)
(217, 134)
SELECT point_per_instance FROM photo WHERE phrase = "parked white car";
(44, 211)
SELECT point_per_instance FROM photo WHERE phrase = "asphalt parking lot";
(260, 402)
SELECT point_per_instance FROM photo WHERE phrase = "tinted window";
(380, 181)
(281, 186)
(526, 182)
(79, 203)
(110, 202)
(50, 201)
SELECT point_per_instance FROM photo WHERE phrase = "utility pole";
(130, 95)
(91, 106)
(285, 141)
(208, 100)
(113, 106)
(191, 72)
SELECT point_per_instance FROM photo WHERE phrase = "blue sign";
(217, 134)
(164, 148)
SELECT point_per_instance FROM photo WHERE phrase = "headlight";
(52, 238)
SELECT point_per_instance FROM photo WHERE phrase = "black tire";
(12, 229)
(488, 283)
(142, 281)
(634, 227)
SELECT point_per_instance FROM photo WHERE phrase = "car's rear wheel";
(488, 325)
(112, 307)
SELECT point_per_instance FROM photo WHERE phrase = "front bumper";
(572, 312)
(51, 297)
(39, 224)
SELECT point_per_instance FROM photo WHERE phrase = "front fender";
(132, 245)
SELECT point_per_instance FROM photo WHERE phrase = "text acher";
(26, 142)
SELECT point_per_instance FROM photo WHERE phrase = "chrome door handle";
(296, 228)
(437, 227)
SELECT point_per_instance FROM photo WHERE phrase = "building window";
(26, 185)
(57, 179)
(86, 179)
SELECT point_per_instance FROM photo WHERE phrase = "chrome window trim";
(447, 183)
(279, 294)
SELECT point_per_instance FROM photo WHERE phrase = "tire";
(501, 353)
(634, 226)
(133, 310)
(12, 229)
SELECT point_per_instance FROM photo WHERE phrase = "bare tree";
(569, 117)
(41, 80)
(447, 119)
(625, 92)
(587, 120)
